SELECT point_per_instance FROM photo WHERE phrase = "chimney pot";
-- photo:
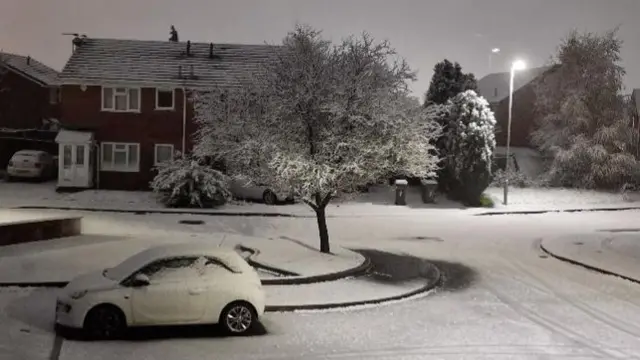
(28, 60)
(210, 50)
(188, 47)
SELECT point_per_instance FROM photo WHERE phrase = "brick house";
(29, 105)
(125, 104)
(495, 88)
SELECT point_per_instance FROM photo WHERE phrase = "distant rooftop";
(29, 67)
(163, 63)
(495, 87)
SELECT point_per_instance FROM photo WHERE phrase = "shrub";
(486, 201)
(470, 146)
(187, 182)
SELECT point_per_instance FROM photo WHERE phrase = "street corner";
(288, 261)
(612, 252)
(391, 278)
(447, 275)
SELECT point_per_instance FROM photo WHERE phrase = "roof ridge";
(178, 42)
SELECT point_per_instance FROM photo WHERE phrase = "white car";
(33, 164)
(179, 284)
(243, 189)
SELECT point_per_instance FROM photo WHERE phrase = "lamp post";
(515, 66)
(493, 52)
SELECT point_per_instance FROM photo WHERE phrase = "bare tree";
(322, 120)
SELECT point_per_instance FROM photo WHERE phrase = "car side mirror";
(140, 280)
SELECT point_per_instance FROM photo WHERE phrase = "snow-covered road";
(506, 300)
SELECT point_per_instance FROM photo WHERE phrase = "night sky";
(423, 31)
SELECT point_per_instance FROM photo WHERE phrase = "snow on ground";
(542, 198)
(26, 319)
(63, 259)
(617, 253)
(339, 291)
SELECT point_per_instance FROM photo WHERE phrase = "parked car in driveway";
(179, 284)
(243, 189)
(31, 164)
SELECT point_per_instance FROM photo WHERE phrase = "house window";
(163, 153)
(120, 157)
(165, 99)
(54, 95)
(120, 99)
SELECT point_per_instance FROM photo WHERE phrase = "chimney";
(211, 51)
(28, 60)
(191, 75)
(189, 48)
(179, 71)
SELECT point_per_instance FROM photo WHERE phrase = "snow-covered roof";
(162, 63)
(495, 87)
(30, 68)
(74, 137)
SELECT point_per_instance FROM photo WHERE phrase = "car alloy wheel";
(269, 197)
(238, 318)
(104, 322)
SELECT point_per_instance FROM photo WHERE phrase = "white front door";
(74, 168)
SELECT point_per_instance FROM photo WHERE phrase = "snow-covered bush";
(470, 145)
(187, 182)
(587, 164)
(584, 125)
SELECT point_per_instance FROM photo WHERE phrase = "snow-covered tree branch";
(321, 120)
(583, 125)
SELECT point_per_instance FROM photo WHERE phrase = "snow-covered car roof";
(29, 152)
(137, 261)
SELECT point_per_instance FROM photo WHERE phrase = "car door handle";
(196, 291)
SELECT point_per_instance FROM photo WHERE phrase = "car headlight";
(78, 294)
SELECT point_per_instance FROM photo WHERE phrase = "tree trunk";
(322, 230)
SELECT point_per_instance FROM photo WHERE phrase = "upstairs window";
(165, 99)
(119, 99)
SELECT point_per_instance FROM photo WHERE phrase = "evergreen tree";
(448, 81)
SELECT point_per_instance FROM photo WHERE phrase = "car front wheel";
(104, 322)
(269, 197)
(238, 318)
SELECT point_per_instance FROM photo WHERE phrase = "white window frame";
(118, 168)
(173, 99)
(155, 152)
(113, 98)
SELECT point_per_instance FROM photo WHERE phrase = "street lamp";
(515, 66)
(493, 51)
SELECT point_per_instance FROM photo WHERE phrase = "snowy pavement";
(532, 199)
(503, 300)
(378, 202)
(60, 260)
(611, 252)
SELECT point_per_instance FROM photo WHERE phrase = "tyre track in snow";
(551, 325)
(597, 314)
(528, 350)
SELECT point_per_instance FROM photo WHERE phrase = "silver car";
(245, 190)
(33, 164)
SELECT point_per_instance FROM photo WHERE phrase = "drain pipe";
(98, 165)
(184, 120)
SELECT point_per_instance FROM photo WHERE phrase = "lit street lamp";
(517, 65)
